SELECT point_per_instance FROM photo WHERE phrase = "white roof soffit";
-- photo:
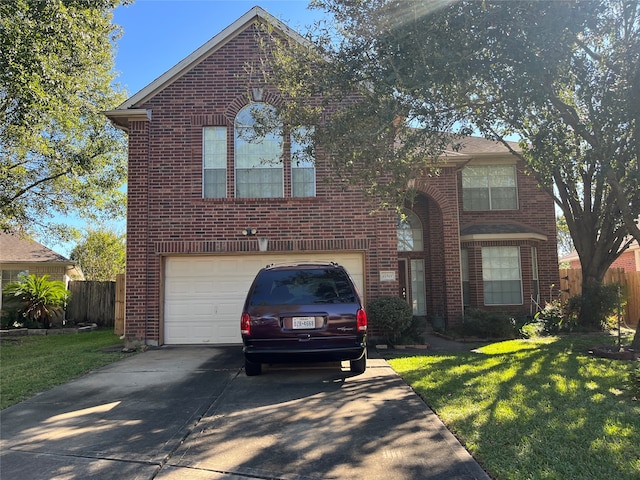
(205, 50)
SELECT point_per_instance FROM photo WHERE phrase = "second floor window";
(258, 157)
(215, 162)
(489, 187)
(303, 170)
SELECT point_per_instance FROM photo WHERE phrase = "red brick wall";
(535, 211)
(166, 211)
(626, 261)
(167, 214)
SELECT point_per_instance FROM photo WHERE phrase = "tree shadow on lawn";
(535, 410)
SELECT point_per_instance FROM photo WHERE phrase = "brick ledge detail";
(251, 245)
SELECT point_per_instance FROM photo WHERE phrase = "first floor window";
(418, 291)
(466, 286)
(535, 279)
(9, 276)
(215, 162)
(502, 276)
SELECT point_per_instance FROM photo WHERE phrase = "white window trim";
(515, 179)
(280, 165)
(520, 280)
(226, 153)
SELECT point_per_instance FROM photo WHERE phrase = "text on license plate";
(304, 322)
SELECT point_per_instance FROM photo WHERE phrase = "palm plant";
(40, 299)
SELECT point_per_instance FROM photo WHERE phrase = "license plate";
(304, 322)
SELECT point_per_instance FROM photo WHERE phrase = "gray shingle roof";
(14, 248)
(477, 145)
(495, 228)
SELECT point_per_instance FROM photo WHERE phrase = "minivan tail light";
(361, 319)
(245, 324)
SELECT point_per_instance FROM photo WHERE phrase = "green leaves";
(40, 299)
(58, 153)
(101, 255)
(394, 77)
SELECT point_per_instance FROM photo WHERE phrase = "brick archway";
(445, 251)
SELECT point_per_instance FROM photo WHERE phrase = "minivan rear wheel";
(360, 365)
(252, 368)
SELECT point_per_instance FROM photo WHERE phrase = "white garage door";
(204, 295)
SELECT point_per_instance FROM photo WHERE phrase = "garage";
(203, 295)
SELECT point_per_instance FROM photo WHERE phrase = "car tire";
(360, 365)
(252, 368)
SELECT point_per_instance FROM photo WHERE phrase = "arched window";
(258, 157)
(409, 232)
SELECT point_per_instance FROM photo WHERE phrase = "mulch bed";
(615, 353)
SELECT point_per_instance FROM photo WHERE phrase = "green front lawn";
(29, 365)
(535, 409)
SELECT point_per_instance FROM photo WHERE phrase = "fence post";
(120, 297)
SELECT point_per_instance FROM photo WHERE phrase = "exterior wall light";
(249, 232)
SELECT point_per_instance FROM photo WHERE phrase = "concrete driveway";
(191, 413)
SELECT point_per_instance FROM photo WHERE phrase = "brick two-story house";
(205, 212)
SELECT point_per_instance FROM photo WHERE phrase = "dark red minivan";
(303, 312)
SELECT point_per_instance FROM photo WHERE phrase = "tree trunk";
(635, 344)
(588, 315)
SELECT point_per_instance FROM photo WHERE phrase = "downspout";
(147, 239)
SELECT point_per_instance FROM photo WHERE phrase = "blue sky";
(157, 34)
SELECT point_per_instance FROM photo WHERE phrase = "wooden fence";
(98, 302)
(119, 321)
(92, 302)
(571, 284)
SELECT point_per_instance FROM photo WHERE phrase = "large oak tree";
(58, 154)
(563, 76)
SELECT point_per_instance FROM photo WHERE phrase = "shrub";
(532, 329)
(40, 299)
(11, 318)
(554, 318)
(598, 303)
(482, 323)
(414, 334)
(391, 316)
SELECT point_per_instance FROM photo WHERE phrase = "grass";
(535, 409)
(29, 365)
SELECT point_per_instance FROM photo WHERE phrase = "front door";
(411, 284)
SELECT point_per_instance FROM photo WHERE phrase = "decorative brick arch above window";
(242, 101)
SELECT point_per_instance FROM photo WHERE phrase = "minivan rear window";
(302, 287)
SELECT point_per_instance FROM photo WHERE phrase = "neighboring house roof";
(122, 115)
(16, 249)
(573, 255)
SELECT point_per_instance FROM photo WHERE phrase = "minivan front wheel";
(360, 365)
(252, 368)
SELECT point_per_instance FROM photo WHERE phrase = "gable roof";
(130, 109)
(121, 115)
(16, 249)
(477, 146)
